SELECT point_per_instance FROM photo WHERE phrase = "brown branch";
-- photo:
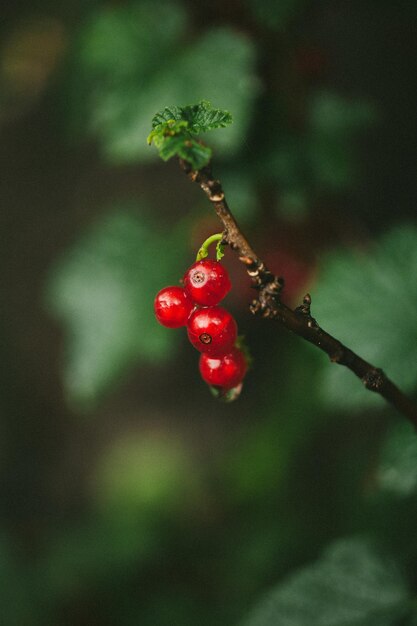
(299, 321)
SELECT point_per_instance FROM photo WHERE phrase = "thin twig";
(268, 303)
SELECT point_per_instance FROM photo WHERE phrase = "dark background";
(128, 494)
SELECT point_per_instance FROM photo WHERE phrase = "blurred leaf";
(286, 161)
(412, 621)
(169, 607)
(92, 552)
(103, 291)
(333, 124)
(18, 589)
(146, 473)
(320, 158)
(131, 63)
(261, 462)
(275, 14)
(397, 471)
(293, 204)
(369, 302)
(351, 585)
(241, 193)
(334, 115)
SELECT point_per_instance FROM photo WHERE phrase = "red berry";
(212, 330)
(207, 282)
(226, 371)
(172, 307)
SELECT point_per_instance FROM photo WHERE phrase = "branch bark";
(300, 321)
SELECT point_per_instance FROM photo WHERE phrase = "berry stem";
(203, 251)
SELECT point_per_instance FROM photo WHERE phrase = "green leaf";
(167, 129)
(172, 138)
(188, 149)
(171, 146)
(204, 118)
(173, 128)
(397, 470)
(195, 153)
(103, 291)
(351, 585)
(174, 113)
(199, 118)
(368, 300)
(130, 62)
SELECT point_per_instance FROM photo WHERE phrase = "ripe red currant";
(207, 282)
(172, 307)
(226, 371)
(212, 330)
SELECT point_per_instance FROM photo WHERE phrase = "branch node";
(337, 356)
(313, 324)
(304, 308)
(253, 273)
(217, 197)
(246, 260)
(374, 379)
(255, 307)
(274, 286)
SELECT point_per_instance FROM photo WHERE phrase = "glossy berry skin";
(173, 307)
(226, 371)
(212, 330)
(207, 282)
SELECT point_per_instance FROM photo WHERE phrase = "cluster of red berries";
(211, 329)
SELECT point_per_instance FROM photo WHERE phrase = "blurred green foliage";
(275, 15)
(101, 292)
(129, 63)
(368, 300)
(334, 123)
(140, 476)
(397, 471)
(321, 159)
(128, 495)
(350, 585)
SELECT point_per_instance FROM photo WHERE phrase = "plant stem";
(203, 251)
(268, 303)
